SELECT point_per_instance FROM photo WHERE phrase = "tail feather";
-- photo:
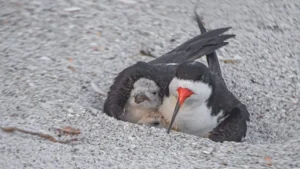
(200, 23)
(212, 58)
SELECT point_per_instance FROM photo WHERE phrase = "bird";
(139, 89)
(198, 102)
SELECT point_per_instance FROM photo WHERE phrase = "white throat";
(194, 117)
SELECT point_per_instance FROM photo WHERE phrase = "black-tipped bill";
(176, 110)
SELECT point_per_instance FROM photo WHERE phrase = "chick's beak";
(183, 94)
(140, 98)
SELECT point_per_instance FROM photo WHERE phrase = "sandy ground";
(51, 52)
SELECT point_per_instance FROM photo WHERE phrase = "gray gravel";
(42, 89)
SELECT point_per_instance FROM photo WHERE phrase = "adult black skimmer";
(203, 104)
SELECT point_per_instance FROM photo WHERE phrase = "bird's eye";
(154, 93)
(202, 78)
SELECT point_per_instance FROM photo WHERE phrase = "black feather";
(211, 58)
(195, 48)
(234, 127)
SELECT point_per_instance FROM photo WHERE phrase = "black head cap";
(194, 71)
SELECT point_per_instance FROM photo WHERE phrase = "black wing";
(234, 128)
(196, 47)
(123, 84)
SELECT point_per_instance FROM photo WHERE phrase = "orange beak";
(183, 94)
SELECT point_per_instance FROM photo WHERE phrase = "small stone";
(97, 89)
(32, 85)
(128, 1)
(70, 115)
(294, 100)
(208, 151)
(133, 146)
(70, 111)
(45, 58)
(72, 9)
(94, 44)
(131, 138)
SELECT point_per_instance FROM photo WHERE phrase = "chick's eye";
(154, 93)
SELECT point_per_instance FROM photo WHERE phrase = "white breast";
(192, 119)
